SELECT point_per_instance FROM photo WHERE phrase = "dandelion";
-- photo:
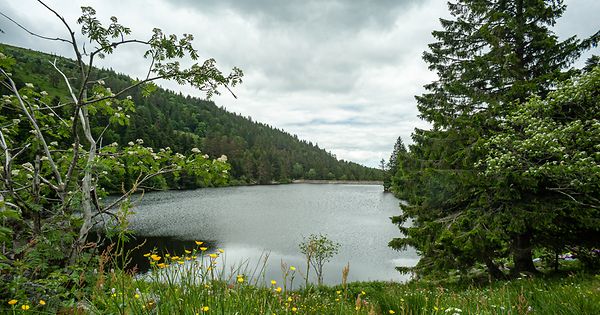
(42, 302)
(240, 279)
(12, 302)
(273, 282)
(278, 290)
(25, 307)
(204, 308)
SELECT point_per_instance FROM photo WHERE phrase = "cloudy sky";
(339, 73)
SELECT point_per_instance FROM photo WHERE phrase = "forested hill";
(258, 153)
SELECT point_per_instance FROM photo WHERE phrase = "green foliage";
(318, 250)
(549, 148)
(257, 152)
(489, 59)
(55, 166)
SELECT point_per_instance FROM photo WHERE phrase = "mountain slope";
(257, 152)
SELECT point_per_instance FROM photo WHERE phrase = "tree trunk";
(522, 254)
(493, 270)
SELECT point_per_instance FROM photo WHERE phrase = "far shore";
(347, 182)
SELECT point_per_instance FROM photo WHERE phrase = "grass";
(196, 282)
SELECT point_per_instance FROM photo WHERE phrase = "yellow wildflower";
(213, 256)
(289, 299)
(292, 268)
(155, 257)
(180, 262)
(199, 243)
(391, 312)
(12, 302)
(167, 255)
(337, 299)
(187, 251)
(294, 309)
(175, 258)
(338, 292)
(203, 248)
(24, 307)
(363, 293)
(147, 255)
(137, 296)
(204, 308)
(435, 308)
(273, 282)
(240, 279)
(278, 290)
(42, 302)
(162, 265)
(221, 251)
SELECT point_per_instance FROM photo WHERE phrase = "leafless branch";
(32, 33)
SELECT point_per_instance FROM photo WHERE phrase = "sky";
(342, 74)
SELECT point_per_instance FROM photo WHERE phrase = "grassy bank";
(196, 282)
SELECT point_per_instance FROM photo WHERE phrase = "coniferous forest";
(257, 152)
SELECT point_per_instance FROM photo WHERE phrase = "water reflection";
(248, 222)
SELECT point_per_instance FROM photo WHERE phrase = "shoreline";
(342, 182)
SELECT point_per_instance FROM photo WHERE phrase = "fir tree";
(489, 58)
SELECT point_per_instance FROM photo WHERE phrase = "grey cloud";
(339, 16)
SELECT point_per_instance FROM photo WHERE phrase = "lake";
(247, 222)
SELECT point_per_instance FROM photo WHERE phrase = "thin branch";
(36, 127)
(73, 41)
(32, 33)
(560, 191)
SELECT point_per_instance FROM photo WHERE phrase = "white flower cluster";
(223, 158)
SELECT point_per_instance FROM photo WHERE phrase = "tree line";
(257, 152)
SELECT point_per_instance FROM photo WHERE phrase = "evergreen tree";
(490, 58)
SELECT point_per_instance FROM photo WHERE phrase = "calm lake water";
(249, 221)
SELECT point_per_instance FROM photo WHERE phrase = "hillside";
(257, 152)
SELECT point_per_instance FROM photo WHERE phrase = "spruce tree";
(489, 58)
